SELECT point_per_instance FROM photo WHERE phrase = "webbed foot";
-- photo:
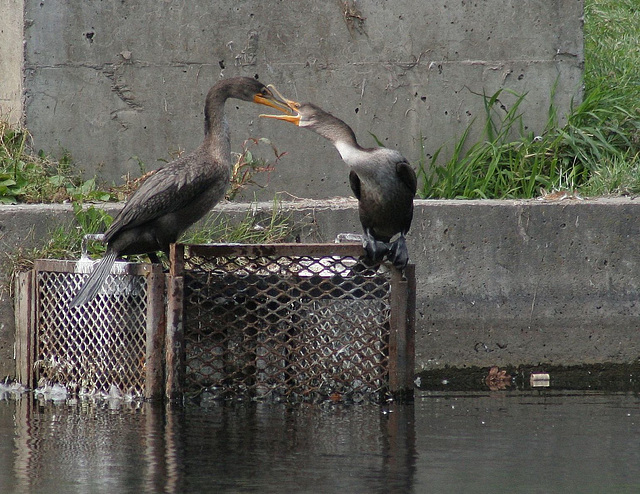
(398, 253)
(375, 249)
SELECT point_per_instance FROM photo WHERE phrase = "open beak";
(274, 101)
(291, 111)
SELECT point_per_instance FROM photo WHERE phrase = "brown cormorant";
(381, 179)
(178, 195)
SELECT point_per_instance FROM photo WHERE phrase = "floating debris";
(53, 392)
(498, 379)
(12, 390)
(115, 393)
(540, 380)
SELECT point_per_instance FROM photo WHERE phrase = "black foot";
(375, 249)
(398, 253)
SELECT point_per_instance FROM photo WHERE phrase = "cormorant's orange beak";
(294, 119)
(274, 100)
(292, 106)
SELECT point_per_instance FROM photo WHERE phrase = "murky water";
(506, 441)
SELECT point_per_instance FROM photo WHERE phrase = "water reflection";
(140, 447)
(494, 441)
(63, 446)
(348, 449)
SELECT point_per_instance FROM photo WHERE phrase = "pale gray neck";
(350, 153)
(340, 135)
(335, 130)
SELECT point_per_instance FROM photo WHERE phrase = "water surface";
(503, 441)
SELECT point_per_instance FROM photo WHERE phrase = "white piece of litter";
(540, 380)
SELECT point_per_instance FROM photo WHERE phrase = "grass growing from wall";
(612, 59)
(597, 152)
(26, 177)
(255, 228)
(64, 241)
(34, 177)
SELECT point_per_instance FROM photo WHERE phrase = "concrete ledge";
(499, 282)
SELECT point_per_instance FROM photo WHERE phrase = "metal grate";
(295, 322)
(285, 322)
(105, 342)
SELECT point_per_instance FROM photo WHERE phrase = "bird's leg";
(398, 253)
(375, 249)
(153, 258)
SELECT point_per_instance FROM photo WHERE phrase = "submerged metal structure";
(114, 340)
(287, 321)
(282, 322)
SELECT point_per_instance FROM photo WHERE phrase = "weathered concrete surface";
(499, 282)
(527, 282)
(11, 60)
(109, 81)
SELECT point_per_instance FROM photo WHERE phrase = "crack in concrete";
(249, 55)
(121, 89)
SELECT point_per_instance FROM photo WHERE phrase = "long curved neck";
(341, 136)
(216, 128)
(335, 130)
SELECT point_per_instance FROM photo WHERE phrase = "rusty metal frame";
(27, 316)
(165, 365)
(25, 327)
(401, 356)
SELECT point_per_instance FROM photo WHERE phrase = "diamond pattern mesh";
(97, 345)
(285, 327)
(281, 323)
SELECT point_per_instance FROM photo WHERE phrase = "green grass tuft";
(597, 152)
(254, 228)
(34, 177)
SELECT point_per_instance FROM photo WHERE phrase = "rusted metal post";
(156, 329)
(401, 337)
(175, 351)
(25, 330)
(410, 274)
(176, 259)
(279, 250)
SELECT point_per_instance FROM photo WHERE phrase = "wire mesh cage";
(113, 340)
(295, 322)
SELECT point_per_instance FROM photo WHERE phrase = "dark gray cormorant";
(178, 195)
(381, 179)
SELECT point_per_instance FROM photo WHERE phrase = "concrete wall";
(498, 282)
(11, 60)
(112, 80)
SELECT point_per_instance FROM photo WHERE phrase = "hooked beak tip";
(291, 107)
(291, 104)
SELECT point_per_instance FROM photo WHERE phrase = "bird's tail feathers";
(95, 280)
